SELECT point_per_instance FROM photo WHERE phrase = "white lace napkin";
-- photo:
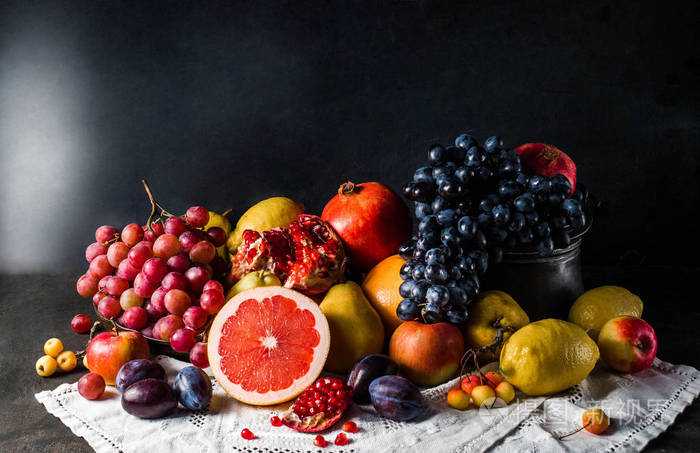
(641, 407)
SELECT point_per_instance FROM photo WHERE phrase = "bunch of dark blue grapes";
(473, 201)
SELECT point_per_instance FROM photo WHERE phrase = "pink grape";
(166, 246)
(102, 284)
(174, 280)
(87, 285)
(143, 287)
(166, 325)
(197, 216)
(116, 286)
(126, 271)
(211, 301)
(197, 277)
(177, 301)
(202, 252)
(217, 236)
(194, 317)
(152, 234)
(153, 313)
(98, 297)
(182, 339)
(93, 250)
(140, 253)
(91, 386)
(105, 233)
(135, 318)
(199, 356)
(213, 284)
(129, 299)
(81, 323)
(132, 234)
(99, 267)
(178, 263)
(158, 299)
(175, 225)
(116, 253)
(154, 269)
(109, 307)
(188, 239)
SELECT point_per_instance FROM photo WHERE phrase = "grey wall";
(225, 104)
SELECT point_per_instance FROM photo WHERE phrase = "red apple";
(108, 351)
(427, 354)
(371, 220)
(548, 160)
(627, 344)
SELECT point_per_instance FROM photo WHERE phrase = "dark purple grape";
(561, 239)
(407, 190)
(396, 398)
(444, 171)
(480, 240)
(450, 237)
(192, 388)
(456, 154)
(524, 202)
(539, 184)
(406, 287)
(545, 247)
(419, 290)
(467, 227)
(439, 204)
(149, 398)
(436, 155)
(418, 271)
(465, 141)
(423, 174)
(407, 310)
(406, 249)
(446, 216)
(526, 237)
(493, 143)
(475, 156)
(407, 269)
(366, 370)
(436, 273)
(436, 255)
(517, 222)
(137, 370)
(432, 314)
(500, 214)
(457, 315)
(458, 296)
(463, 175)
(480, 259)
(429, 223)
(422, 191)
(542, 229)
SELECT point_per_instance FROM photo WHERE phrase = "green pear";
(254, 280)
(356, 328)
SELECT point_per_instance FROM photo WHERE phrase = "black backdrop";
(226, 104)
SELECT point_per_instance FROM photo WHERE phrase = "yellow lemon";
(381, 286)
(548, 356)
(597, 306)
(276, 212)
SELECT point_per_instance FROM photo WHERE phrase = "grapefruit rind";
(269, 398)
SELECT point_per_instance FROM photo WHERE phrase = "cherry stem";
(575, 431)
(226, 212)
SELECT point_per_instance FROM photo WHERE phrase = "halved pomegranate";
(320, 406)
(307, 255)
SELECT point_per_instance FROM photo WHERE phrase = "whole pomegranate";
(548, 160)
(307, 255)
(371, 220)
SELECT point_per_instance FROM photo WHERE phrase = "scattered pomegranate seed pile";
(328, 395)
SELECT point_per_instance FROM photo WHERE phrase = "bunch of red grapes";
(162, 279)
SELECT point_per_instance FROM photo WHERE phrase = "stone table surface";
(34, 308)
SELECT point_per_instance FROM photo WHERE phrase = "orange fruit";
(267, 345)
(381, 286)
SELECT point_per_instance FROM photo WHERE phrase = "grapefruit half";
(267, 345)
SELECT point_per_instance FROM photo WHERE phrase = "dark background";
(223, 105)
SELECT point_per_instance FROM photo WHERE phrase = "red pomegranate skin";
(371, 220)
(548, 160)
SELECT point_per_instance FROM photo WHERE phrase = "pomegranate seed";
(320, 441)
(341, 439)
(336, 385)
(312, 410)
(350, 427)
(247, 434)
(275, 421)
(322, 407)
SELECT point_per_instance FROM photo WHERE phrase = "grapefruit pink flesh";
(268, 344)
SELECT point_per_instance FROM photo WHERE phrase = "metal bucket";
(545, 287)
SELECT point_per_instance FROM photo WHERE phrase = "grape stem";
(154, 204)
(93, 329)
(576, 430)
